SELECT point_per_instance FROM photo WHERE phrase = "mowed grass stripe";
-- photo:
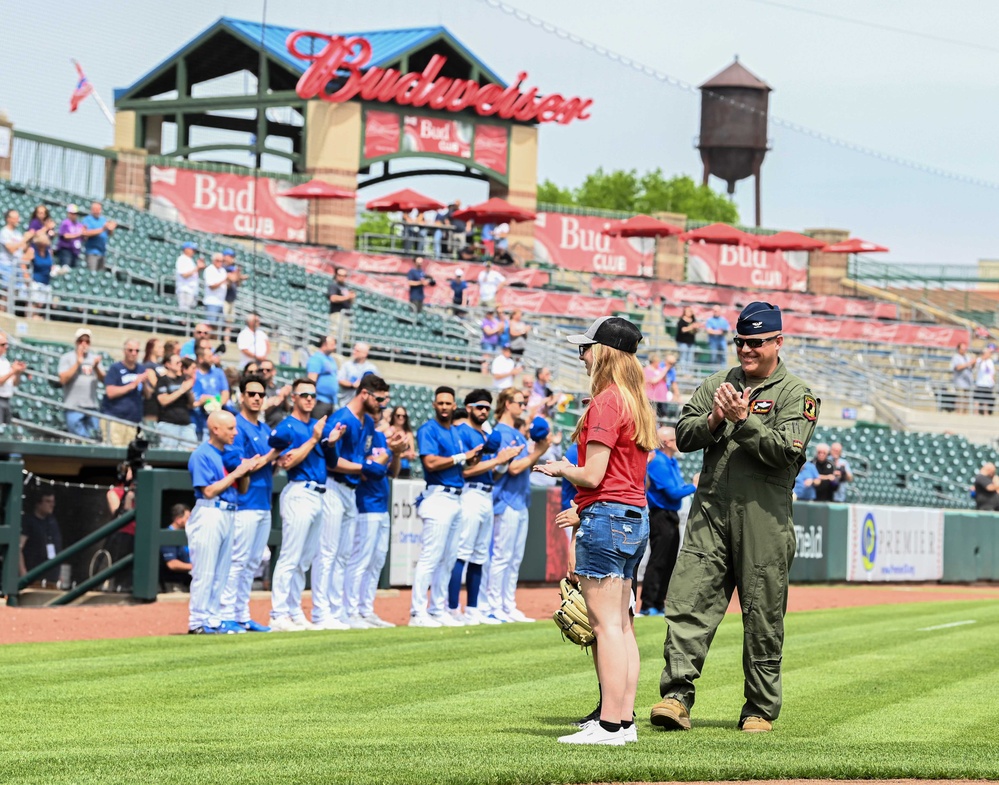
(866, 696)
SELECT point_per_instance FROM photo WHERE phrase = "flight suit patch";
(762, 407)
(810, 409)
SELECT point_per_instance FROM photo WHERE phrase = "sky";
(907, 78)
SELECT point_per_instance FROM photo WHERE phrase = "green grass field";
(867, 694)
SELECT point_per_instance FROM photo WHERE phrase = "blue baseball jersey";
(568, 489)
(292, 432)
(471, 438)
(354, 444)
(251, 441)
(511, 490)
(434, 439)
(208, 465)
(373, 492)
(171, 552)
(212, 383)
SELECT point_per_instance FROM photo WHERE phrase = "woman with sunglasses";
(400, 424)
(615, 435)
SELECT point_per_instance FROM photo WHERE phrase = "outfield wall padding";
(970, 547)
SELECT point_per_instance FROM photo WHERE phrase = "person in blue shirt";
(806, 481)
(214, 469)
(439, 507)
(189, 347)
(322, 369)
(665, 490)
(123, 395)
(416, 279)
(299, 439)
(211, 390)
(175, 560)
(717, 329)
(511, 493)
(458, 286)
(476, 509)
(41, 274)
(97, 230)
(330, 593)
(253, 514)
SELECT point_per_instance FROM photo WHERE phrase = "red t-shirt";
(606, 421)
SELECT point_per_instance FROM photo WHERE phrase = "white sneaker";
(446, 619)
(518, 615)
(498, 617)
(376, 621)
(424, 620)
(631, 734)
(472, 618)
(285, 624)
(358, 623)
(489, 618)
(592, 733)
(332, 623)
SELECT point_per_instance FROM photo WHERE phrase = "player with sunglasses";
(753, 423)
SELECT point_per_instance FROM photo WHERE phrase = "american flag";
(83, 89)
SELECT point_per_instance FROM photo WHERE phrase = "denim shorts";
(611, 540)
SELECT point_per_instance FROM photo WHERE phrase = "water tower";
(733, 138)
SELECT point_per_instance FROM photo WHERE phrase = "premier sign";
(424, 88)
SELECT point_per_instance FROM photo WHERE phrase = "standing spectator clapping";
(253, 343)
(79, 372)
(123, 395)
(70, 243)
(490, 281)
(97, 230)
(458, 286)
(216, 286)
(341, 302)
(962, 366)
(175, 399)
(717, 328)
(187, 269)
(10, 377)
(985, 383)
(519, 330)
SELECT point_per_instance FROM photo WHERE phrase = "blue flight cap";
(539, 429)
(759, 318)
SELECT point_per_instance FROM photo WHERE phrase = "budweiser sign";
(420, 88)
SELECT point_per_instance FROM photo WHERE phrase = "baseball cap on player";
(374, 470)
(539, 429)
(493, 442)
(610, 331)
(758, 318)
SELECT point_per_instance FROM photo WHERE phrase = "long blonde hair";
(612, 366)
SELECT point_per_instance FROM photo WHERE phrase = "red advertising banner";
(436, 135)
(737, 265)
(491, 147)
(381, 133)
(578, 242)
(227, 204)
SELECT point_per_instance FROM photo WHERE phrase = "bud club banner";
(578, 242)
(227, 204)
(435, 135)
(895, 544)
(736, 265)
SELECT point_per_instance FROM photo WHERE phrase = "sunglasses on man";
(753, 343)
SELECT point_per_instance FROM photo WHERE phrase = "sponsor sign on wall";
(579, 242)
(381, 133)
(406, 533)
(737, 265)
(895, 544)
(230, 204)
(437, 135)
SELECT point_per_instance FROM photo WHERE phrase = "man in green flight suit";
(753, 423)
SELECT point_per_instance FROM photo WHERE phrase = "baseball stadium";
(480, 424)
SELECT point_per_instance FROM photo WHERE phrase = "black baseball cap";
(610, 331)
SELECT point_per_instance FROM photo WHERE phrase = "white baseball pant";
(476, 526)
(441, 516)
(301, 522)
(366, 562)
(335, 544)
(509, 541)
(249, 540)
(209, 539)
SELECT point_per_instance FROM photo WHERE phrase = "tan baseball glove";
(571, 617)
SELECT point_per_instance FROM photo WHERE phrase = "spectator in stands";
(400, 424)
(804, 484)
(277, 404)
(844, 472)
(234, 278)
(987, 488)
(504, 369)
(686, 336)
(120, 499)
(416, 279)
(458, 286)
(216, 285)
(41, 276)
(519, 330)
(13, 247)
(442, 221)
(42, 224)
(187, 271)
(211, 391)
(488, 239)
(70, 243)
(717, 328)
(351, 372)
(985, 383)
(322, 371)
(457, 237)
(10, 377)
(123, 396)
(190, 346)
(541, 399)
(962, 365)
(41, 538)
(79, 372)
(656, 386)
(492, 327)
(175, 399)
(175, 573)
(412, 241)
(341, 303)
(826, 486)
(253, 343)
(97, 230)
(499, 238)
(490, 281)
(152, 360)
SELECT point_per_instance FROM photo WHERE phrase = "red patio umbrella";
(494, 210)
(404, 201)
(789, 241)
(643, 226)
(855, 245)
(318, 189)
(720, 234)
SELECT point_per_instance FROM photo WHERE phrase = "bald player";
(215, 471)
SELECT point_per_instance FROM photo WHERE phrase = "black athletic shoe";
(196, 631)
(593, 715)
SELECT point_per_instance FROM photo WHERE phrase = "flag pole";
(103, 106)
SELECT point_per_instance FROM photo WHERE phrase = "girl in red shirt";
(615, 435)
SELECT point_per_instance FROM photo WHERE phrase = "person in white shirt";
(985, 383)
(252, 342)
(186, 285)
(10, 377)
(350, 373)
(490, 281)
(216, 284)
(504, 368)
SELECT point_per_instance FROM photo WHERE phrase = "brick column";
(826, 270)
(669, 262)
(127, 177)
(333, 149)
(6, 146)
(522, 189)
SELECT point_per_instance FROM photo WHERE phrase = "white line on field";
(945, 626)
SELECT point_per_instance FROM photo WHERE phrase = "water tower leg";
(756, 180)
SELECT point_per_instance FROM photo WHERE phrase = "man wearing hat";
(188, 272)
(79, 372)
(458, 286)
(753, 423)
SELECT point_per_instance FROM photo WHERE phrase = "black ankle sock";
(610, 727)
(627, 724)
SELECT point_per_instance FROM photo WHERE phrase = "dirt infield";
(168, 616)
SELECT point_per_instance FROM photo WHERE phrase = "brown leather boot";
(670, 714)
(756, 725)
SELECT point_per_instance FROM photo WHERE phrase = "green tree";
(373, 223)
(551, 194)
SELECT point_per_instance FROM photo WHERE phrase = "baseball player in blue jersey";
(298, 437)
(336, 542)
(476, 508)
(511, 493)
(253, 514)
(439, 506)
(214, 473)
